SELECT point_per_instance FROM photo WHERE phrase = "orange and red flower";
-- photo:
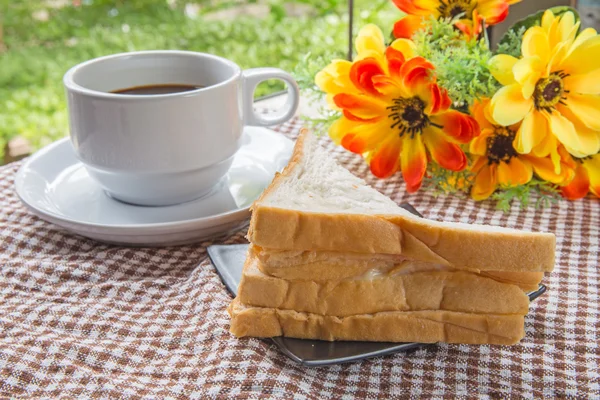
(587, 178)
(393, 111)
(497, 164)
(472, 14)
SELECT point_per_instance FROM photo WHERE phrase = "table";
(80, 319)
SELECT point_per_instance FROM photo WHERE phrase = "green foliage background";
(36, 54)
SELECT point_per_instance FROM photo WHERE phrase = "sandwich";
(333, 259)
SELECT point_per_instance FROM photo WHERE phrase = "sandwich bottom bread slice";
(388, 291)
(318, 266)
(392, 326)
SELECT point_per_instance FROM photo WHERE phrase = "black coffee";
(157, 89)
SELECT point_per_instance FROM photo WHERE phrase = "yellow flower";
(553, 90)
(496, 163)
(393, 111)
(587, 179)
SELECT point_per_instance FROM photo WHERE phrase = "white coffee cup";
(164, 149)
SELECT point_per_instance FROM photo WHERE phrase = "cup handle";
(254, 76)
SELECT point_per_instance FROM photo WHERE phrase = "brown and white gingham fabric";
(80, 319)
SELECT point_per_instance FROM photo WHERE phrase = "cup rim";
(71, 85)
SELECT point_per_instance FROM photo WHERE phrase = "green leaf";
(536, 19)
(512, 44)
(546, 193)
(461, 66)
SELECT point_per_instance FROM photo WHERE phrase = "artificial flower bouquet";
(438, 104)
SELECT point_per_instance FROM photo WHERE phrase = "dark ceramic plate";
(229, 262)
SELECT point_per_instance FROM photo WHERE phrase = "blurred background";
(41, 39)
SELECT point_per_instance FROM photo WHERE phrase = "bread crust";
(413, 237)
(394, 326)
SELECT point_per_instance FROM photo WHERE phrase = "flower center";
(549, 91)
(452, 8)
(408, 116)
(500, 146)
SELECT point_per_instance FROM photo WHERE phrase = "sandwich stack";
(333, 259)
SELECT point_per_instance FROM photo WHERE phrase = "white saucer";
(55, 186)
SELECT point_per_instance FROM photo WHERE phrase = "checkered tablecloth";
(80, 319)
